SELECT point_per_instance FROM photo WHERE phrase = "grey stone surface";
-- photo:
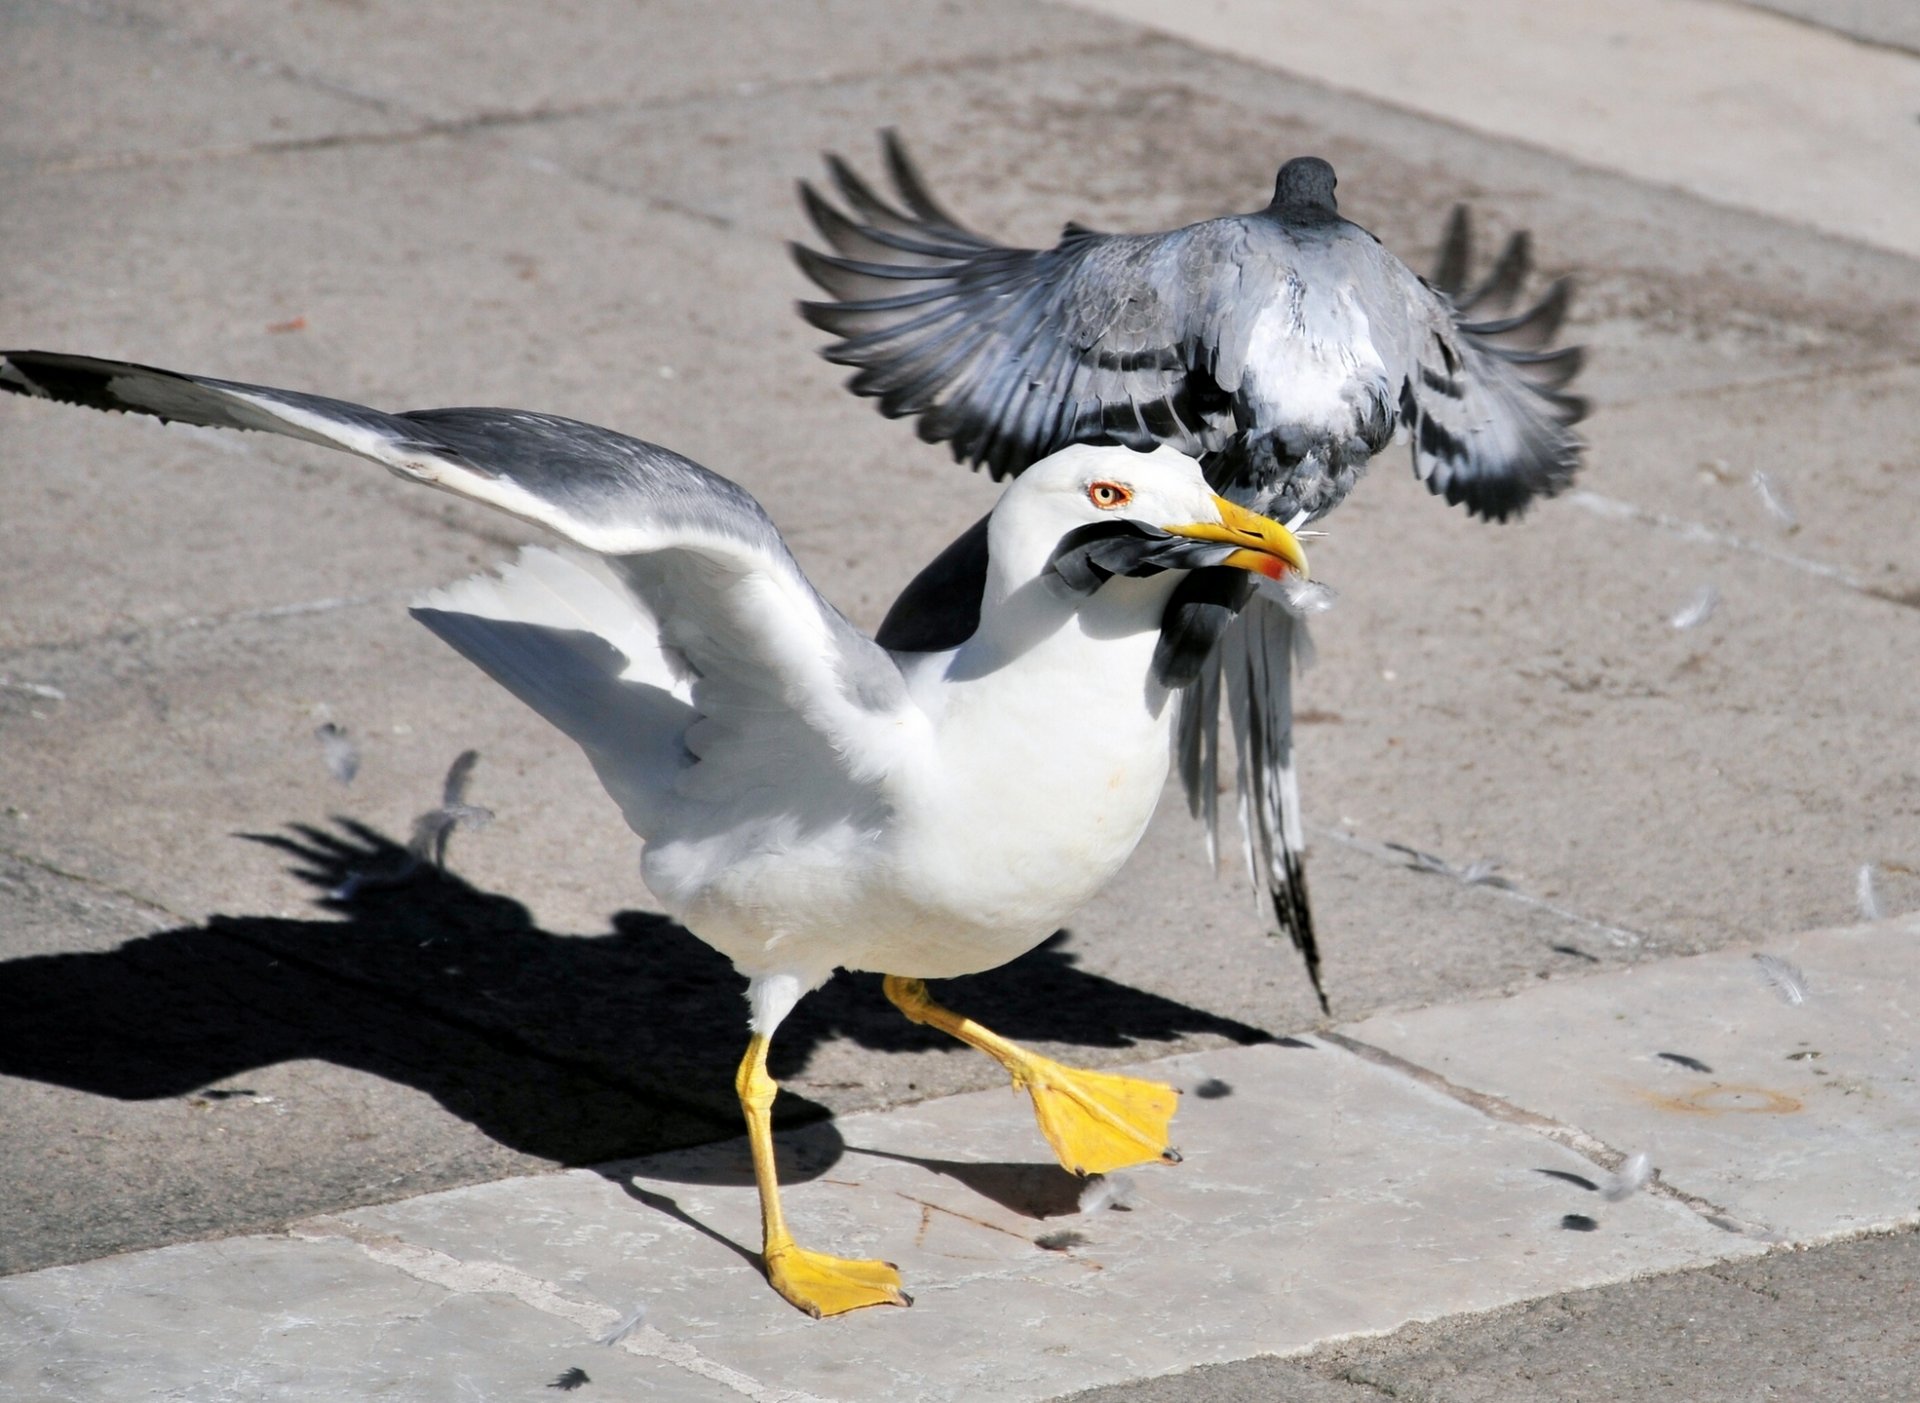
(1889, 22)
(1804, 1121)
(1833, 1323)
(563, 209)
(271, 1318)
(1726, 101)
(1320, 1196)
(87, 88)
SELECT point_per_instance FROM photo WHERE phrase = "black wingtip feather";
(1503, 282)
(910, 184)
(1456, 253)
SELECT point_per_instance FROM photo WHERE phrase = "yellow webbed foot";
(822, 1285)
(1097, 1121)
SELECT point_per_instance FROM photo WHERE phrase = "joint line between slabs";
(1572, 1137)
(1699, 534)
(464, 1278)
(1623, 936)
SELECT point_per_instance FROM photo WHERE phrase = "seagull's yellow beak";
(1265, 546)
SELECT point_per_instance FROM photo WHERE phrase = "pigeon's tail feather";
(1256, 658)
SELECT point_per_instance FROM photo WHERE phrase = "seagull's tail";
(562, 633)
(1255, 658)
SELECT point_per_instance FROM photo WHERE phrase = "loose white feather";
(1481, 872)
(337, 750)
(626, 1325)
(1063, 1240)
(1869, 898)
(433, 829)
(1784, 978)
(431, 832)
(1696, 610)
(1104, 1191)
(1628, 1179)
(1776, 505)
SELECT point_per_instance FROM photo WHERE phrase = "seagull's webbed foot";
(818, 1284)
(1095, 1121)
(821, 1285)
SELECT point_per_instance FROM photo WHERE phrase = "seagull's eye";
(1108, 495)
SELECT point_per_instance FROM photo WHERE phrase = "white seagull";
(810, 800)
(1284, 347)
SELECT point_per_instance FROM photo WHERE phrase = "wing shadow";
(579, 1049)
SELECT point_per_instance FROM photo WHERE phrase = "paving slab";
(1832, 1322)
(82, 88)
(500, 58)
(1888, 22)
(1741, 105)
(290, 1319)
(1797, 1116)
(1321, 1195)
(1405, 1169)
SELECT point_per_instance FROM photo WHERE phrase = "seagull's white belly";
(1021, 810)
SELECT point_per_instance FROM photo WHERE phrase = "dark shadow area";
(1567, 1176)
(1038, 1190)
(575, 1048)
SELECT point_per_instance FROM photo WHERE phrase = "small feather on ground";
(1696, 610)
(626, 1325)
(1776, 505)
(1061, 1241)
(1868, 898)
(1783, 978)
(337, 750)
(431, 831)
(1632, 1176)
(571, 1380)
(1482, 872)
(1104, 1191)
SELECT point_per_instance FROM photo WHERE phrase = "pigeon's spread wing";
(1484, 393)
(696, 588)
(1011, 354)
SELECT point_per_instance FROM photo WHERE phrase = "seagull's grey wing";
(696, 553)
(1484, 388)
(1011, 354)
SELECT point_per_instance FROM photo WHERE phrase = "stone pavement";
(582, 210)
(1415, 1166)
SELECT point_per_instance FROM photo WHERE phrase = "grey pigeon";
(1284, 348)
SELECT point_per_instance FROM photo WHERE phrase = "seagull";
(1284, 348)
(808, 799)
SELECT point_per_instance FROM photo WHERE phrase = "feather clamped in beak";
(1262, 545)
(1088, 556)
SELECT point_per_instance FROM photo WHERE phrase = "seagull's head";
(1107, 511)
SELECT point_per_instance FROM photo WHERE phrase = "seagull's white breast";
(1028, 791)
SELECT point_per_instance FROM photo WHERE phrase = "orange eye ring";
(1109, 495)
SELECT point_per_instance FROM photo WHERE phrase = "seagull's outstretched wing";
(695, 620)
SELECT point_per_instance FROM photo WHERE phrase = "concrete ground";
(582, 209)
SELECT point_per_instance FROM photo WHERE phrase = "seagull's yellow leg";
(1095, 1121)
(818, 1284)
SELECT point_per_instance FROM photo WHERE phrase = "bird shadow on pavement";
(579, 1049)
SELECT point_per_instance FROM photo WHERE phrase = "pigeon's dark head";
(1306, 182)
